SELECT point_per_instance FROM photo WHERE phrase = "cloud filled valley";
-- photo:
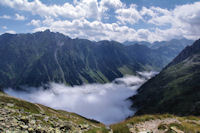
(106, 103)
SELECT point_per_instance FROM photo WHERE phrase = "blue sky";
(120, 20)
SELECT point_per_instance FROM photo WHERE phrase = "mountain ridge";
(175, 89)
(38, 58)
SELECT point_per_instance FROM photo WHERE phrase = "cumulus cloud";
(183, 21)
(106, 5)
(35, 23)
(95, 30)
(19, 17)
(86, 19)
(4, 27)
(83, 8)
(11, 31)
(106, 103)
(179, 26)
(5, 17)
(79, 9)
(111, 3)
(128, 15)
(148, 12)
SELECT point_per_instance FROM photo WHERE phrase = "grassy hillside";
(17, 115)
(176, 89)
(20, 116)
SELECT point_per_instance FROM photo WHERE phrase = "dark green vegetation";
(176, 89)
(42, 57)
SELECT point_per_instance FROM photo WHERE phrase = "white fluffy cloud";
(107, 4)
(19, 17)
(85, 19)
(184, 21)
(147, 11)
(111, 3)
(83, 8)
(95, 30)
(11, 31)
(128, 15)
(35, 23)
(5, 17)
(4, 27)
(90, 100)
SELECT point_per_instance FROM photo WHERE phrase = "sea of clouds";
(106, 103)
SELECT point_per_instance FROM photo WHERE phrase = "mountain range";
(157, 44)
(38, 58)
(42, 57)
(170, 49)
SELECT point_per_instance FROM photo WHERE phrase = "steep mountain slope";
(175, 89)
(174, 43)
(149, 58)
(42, 57)
(170, 49)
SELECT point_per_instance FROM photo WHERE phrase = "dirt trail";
(152, 125)
(41, 109)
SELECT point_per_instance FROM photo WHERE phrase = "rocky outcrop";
(20, 116)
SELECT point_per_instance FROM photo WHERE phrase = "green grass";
(122, 126)
(125, 70)
(184, 125)
(20, 104)
(190, 127)
(97, 130)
